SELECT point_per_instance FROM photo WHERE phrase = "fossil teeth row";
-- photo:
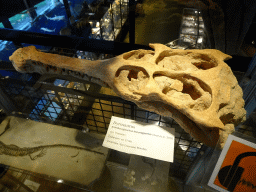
(44, 68)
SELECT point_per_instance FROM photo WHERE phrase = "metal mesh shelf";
(84, 105)
(70, 102)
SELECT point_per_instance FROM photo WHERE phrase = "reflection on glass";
(60, 181)
(192, 32)
(86, 21)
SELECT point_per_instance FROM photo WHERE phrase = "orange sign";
(237, 171)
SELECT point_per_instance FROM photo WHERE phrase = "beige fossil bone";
(194, 87)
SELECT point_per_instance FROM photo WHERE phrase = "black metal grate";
(79, 104)
(84, 105)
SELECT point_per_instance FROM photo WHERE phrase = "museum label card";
(133, 137)
(235, 168)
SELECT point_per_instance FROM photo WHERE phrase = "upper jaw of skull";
(194, 86)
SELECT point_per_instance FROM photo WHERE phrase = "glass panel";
(65, 102)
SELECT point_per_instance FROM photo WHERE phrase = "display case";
(63, 120)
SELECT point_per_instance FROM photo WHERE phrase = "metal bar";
(7, 24)
(79, 43)
(101, 30)
(94, 120)
(112, 21)
(124, 110)
(102, 112)
(50, 113)
(147, 116)
(5, 103)
(132, 112)
(16, 81)
(132, 5)
(31, 10)
(197, 16)
(67, 11)
(70, 104)
(61, 104)
(121, 14)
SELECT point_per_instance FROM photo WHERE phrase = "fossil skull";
(194, 87)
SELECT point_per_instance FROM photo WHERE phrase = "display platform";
(59, 152)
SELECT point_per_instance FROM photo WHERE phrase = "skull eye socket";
(132, 72)
(189, 90)
(131, 78)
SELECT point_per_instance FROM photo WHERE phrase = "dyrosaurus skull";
(194, 87)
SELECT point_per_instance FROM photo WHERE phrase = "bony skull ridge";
(194, 87)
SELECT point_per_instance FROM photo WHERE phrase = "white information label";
(134, 137)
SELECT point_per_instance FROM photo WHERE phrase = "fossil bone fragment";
(194, 87)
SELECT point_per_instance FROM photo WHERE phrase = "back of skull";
(196, 83)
